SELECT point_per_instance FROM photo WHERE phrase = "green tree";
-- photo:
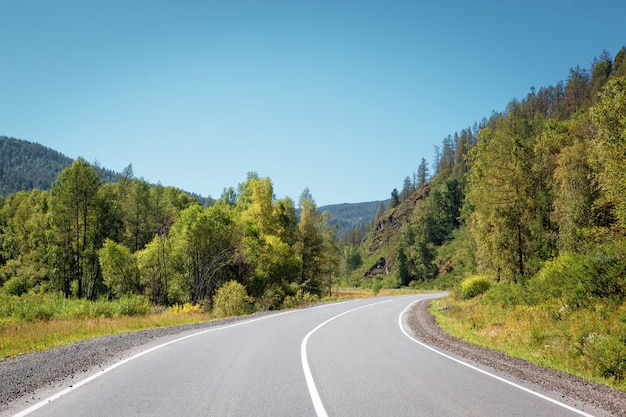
(602, 68)
(207, 243)
(422, 173)
(73, 207)
(24, 233)
(407, 189)
(158, 267)
(318, 254)
(137, 219)
(505, 196)
(609, 146)
(619, 63)
(395, 198)
(569, 173)
(119, 268)
(268, 261)
(577, 93)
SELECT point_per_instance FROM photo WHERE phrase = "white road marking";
(506, 381)
(79, 384)
(310, 382)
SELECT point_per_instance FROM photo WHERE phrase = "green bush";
(17, 285)
(578, 279)
(605, 352)
(377, 285)
(231, 299)
(508, 294)
(474, 286)
(300, 299)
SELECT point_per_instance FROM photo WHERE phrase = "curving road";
(352, 358)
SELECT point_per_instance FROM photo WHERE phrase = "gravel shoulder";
(29, 378)
(606, 400)
(24, 377)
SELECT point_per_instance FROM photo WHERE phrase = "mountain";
(26, 165)
(348, 216)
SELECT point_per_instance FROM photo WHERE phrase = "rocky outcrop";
(379, 268)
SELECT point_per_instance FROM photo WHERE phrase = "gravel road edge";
(601, 397)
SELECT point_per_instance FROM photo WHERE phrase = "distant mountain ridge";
(25, 166)
(348, 216)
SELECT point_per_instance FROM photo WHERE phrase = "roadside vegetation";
(34, 322)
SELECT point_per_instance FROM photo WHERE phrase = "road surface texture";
(356, 358)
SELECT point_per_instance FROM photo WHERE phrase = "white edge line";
(506, 381)
(320, 411)
(82, 382)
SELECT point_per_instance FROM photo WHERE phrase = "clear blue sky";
(343, 97)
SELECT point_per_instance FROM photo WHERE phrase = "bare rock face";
(379, 268)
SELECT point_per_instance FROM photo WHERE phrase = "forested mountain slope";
(543, 177)
(25, 166)
(349, 216)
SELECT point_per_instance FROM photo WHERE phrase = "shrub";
(377, 285)
(606, 353)
(132, 305)
(474, 286)
(578, 279)
(17, 285)
(231, 299)
(300, 299)
(187, 308)
(507, 294)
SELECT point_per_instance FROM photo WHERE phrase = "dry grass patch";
(17, 337)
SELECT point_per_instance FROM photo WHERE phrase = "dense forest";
(89, 239)
(515, 197)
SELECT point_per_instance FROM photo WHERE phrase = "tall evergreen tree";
(422, 173)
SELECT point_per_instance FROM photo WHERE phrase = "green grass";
(35, 322)
(589, 342)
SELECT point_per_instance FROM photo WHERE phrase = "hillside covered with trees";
(524, 216)
(25, 166)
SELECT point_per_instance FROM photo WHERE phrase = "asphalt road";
(346, 359)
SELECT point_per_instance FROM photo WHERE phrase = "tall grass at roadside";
(570, 316)
(589, 342)
(24, 337)
(35, 307)
(35, 322)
